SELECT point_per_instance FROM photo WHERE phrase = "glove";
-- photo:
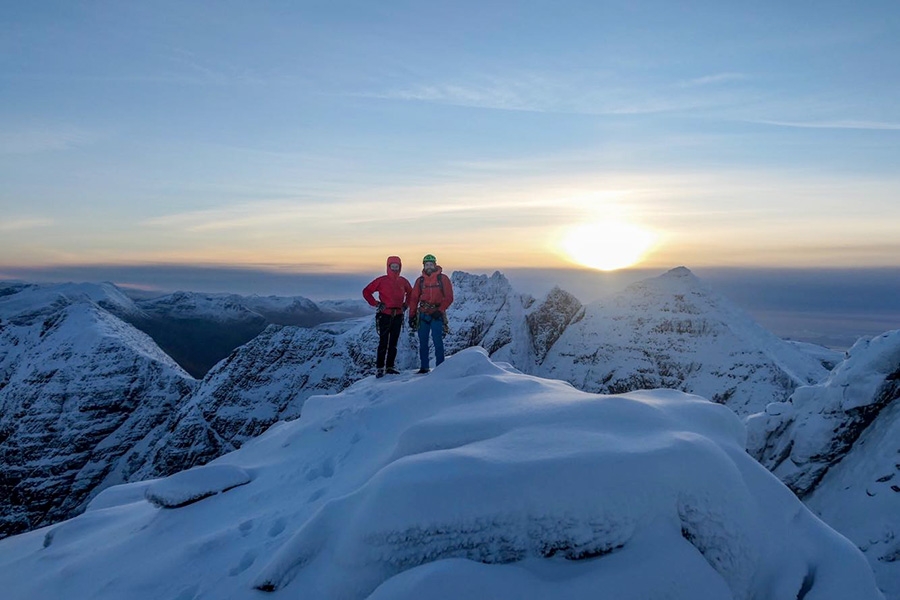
(437, 315)
(412, 322)
(379, 307)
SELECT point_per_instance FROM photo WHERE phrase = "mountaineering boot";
(379, 373)
(392, 371)
(423, 371)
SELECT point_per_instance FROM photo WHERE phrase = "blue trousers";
(436, 328)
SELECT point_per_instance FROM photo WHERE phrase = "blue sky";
(323, 136)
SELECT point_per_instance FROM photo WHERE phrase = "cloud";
(23, 224)
(33, 140)
(582, 93)
(839, 124)
(713, 79)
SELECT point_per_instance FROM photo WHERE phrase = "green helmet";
(429, 258)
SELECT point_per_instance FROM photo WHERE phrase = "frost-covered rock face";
(483, 313)
(79, 388)
(264, 381)
(837, 445)
(475, 481)
(673, 332)
(549, 321)
(800, 439)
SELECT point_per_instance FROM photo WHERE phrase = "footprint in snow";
(246, 562)
(277, 527)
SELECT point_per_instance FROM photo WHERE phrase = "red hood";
(393, 259)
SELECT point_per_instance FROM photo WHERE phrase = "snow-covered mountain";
(233, 308)
(837, 445)
(38, 296)
(672, 331)
(669, 332)
(198, 330)
(473, 482)
(79, 389)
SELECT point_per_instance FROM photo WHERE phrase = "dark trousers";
(388, 334)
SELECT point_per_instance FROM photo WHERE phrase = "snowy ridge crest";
(474, 480)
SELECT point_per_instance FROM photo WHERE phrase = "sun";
(607, 245)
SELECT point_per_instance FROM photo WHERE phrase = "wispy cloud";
(43, 139)
(713, 79)
(23, 224)
(597, 95)
(838, 124)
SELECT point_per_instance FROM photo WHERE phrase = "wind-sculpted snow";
(837, 445)
(194, 485)
(79, 389)
(475, 481)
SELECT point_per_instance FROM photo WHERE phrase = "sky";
(320, 137)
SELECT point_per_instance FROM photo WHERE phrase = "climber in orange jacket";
(431, 296)
(393, 297)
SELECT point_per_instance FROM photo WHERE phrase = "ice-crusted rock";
(800, 439)
(79, 389)
(549, 321)
(837, 445)
(483, 313)
(264, 381)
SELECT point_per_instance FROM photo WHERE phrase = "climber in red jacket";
(393, 298)
(431, 296)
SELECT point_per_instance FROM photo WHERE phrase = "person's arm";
(407, 292)
(448, 294)
(369, 292)
(414, 299)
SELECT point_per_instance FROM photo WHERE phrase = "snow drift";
(474, 481)
(836, 445)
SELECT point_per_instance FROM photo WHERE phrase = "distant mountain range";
(88, 400)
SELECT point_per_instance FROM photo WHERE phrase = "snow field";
(473, 481)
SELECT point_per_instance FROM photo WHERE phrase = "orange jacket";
(393, 290)
(426, 296)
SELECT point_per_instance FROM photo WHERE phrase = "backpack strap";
(421, 283)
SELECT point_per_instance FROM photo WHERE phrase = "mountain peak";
(679, 272)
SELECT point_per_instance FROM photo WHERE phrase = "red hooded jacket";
(427, 295)
(392, 289)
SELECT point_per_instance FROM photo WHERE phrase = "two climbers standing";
(427, 302)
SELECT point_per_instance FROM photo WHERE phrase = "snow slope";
(475, 481)
(837, 446)
(19, 298)
(79, 389)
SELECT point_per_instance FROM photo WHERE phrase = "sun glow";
(607, 245)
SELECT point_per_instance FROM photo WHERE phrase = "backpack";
(421, 283)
